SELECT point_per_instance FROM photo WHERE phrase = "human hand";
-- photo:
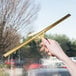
(53, 48)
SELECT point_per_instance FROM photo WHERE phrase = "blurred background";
(19, 19)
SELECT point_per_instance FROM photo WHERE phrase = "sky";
(53, 10)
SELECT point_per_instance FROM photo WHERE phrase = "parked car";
(10, 62)
(48, 72)
(14, 62)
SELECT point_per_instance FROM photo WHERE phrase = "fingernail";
(47, 40)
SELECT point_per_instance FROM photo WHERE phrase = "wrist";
(64, 57)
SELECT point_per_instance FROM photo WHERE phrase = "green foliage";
(32, 49)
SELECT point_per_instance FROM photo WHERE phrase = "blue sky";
(51, 11)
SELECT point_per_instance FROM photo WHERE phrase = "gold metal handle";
(36, 35)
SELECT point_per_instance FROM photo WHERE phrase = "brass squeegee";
(35, 36)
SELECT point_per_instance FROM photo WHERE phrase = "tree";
(15, 16)
(8, 40)
(72, 50)
(34, 49)
(31, 50)
(18, 13)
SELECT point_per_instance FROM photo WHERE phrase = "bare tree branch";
(15, 18)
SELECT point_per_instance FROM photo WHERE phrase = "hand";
(53, 48)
